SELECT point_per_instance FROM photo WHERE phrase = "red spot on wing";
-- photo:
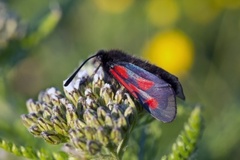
(152, 103)
(134, 88)
(120, 80)
(144, 84)
(121, 70)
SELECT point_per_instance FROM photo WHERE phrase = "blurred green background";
(42, 42)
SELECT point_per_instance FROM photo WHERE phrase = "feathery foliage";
(186, 142)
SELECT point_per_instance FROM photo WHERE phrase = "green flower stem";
(124, 143)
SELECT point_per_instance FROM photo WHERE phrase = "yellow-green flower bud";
(52, 137)
(35, 130)
(116, 135)
(29, 119)
(60, 125)
(44, 124)
(93, 147)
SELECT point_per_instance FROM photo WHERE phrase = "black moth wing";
(153, 93)
(108, 58)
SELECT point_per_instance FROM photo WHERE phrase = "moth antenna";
(95, 71)
(77, 70)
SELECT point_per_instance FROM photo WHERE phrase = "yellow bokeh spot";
(162, 12)
(172, 51)
(113, 6)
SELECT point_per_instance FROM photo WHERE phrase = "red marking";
(144, 84)
(121, 70)
(152, 103)
(134, 88)
(120, 80)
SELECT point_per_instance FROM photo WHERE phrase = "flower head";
(93, 118)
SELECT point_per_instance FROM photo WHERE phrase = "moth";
(154, 88)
